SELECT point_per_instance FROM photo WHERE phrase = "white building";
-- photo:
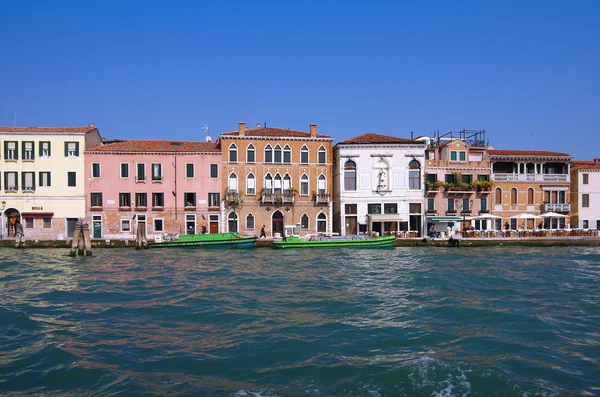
(585, 194)
(378, 185)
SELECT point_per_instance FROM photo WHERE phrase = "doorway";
(213, 224)
(351, 226)
(190, 224)
(277, 223)
(97, 226)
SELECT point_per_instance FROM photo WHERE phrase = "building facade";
(533, 182)
(585, 194)
(43, 181)
(276, 177)
(162, 186)
(378, 185)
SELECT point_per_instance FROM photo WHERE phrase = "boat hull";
(375, 242)
(216, 240)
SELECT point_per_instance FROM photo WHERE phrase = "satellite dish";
(205, 128)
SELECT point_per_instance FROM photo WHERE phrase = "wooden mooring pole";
(140, 239)
(20, 236)
(82, 243)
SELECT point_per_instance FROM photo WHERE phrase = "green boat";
(213, 240)
(293, 240)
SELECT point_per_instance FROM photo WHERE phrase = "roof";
(86, 129)
(526, 153)
(585, 165)
(274, 132)
(377, 138)
(147, 146)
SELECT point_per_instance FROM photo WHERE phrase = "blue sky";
(527, 71)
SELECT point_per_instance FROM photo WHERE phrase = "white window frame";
(250, 148)
(123, 222)
(137, 177)
(253, 220)
(121, 171)
(157, 178)
(303, 150)
(248, 179)
(99, 171)
(193, 171)
(324, 151)
(210, 170)
(162, 221)
(232, 148)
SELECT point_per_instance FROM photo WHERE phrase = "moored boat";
(293, 240)
(213, 240)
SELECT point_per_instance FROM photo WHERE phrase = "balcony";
(232, 198)
(555, 207)
(277, 198)
(531, 177)
(321, 198)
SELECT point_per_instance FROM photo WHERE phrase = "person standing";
(262, 232)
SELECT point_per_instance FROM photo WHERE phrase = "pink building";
(163, 186)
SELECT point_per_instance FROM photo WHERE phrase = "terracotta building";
(276, 177)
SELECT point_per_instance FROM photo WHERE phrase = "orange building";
(276, 177)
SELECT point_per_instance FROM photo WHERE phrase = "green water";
(400, 322)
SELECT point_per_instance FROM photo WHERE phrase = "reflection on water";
(408, 321)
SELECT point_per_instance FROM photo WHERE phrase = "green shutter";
(23, 179)
(453, 155)
(462, 156)
(77, 149)
(66, 149)
(5, 149)
(33, 180)
(22, 150)
(33, 152)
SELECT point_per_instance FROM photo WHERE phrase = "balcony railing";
(555, 207)
(322, 198)
(277, 198)
(531, 177)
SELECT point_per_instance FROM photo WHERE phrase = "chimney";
(313, 130)
(412, 137)
(242, 128)
(596, 160)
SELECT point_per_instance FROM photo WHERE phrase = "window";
(373, 208)
(157, 172)
(277, 154)
(351, 209)
(462, 156)
(46, 223)
(530, 196)
(414, 175)
(268, 184)
(141, 173)
(304, 222)
(189, 170)
(268, 154)
(450, 178)
(598, 225)
(349, 175)
(214, 199)
(431, 178)
(232, 222)
(250, 154)
(28, 181)
(287, 154)
(29, 223)
(71, 149)
(287, 183)
(304, 155)
(125, 225)
(453, 155)
(390, 208)
(483, 177)
(45, 178)
(498, 196)
(158, 199)
(233, 153)
(232, 182)
(250, 221)
(585, 200)
(10, 150)
(189, 199)
(467, 178)
(466, 205)
(95, 170)
(125, 200)
(430, 204)
(250, 185)
(513, 196)
(321, 223)
(44, 148)
(10, 181)
(141, 200)
(214, 171)
(321, 184)
(585, 179)
(124, 170)
(586, 224)
(451, 205)
(322, 155)
(96, 199)
(483, 204)
(277, 184)
(71, 179)
(28, 152)
(304, 185)
(159, 225)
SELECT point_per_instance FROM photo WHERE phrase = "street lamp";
(461, 206)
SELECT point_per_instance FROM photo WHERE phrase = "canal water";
(401, 322)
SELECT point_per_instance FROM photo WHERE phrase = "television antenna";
(205, 128)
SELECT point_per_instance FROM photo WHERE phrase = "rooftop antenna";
(14, 116)
(205, 128)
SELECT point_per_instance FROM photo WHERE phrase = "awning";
(436, 219)
(385, 218)
(37, 215)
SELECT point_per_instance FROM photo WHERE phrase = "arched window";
(250, 221)
(233, 183)
(277, 154)
(530, 196)
(268, 184)
(322, 155)
(322, 223)
(287, 183)
(268, 154)
(322, 184)
(233, 153)
(250, 185)
(250, 154)
(287, 154)
(381, 173)
(498, 195)
(304, 222)
(232, 222)
(513, 196)
(414, 175)
(304, 185)
(349, 175)
(277, 184)
(304, 155)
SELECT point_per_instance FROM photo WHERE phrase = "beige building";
(43, 184)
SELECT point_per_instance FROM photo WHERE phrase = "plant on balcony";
(482, 186)
(293, 191)
(279, 199)
(437, 185)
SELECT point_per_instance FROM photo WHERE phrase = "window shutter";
(32, 150)
(77, 149)
(66, 149)
(33, 180)
(5, 149)
(23, 179)
(23, 151)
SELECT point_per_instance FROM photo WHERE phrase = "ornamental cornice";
(377, 146)
(275, 138)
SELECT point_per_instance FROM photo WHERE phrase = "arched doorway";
(277, 223)
(232, 222)
(10, 218)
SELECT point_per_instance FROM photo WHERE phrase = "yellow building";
(43, 179)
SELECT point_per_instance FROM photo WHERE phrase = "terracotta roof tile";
(377, 138)
(274, 132)
(143, 146)
(48, 129)
(585, 165)
(526, 153)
